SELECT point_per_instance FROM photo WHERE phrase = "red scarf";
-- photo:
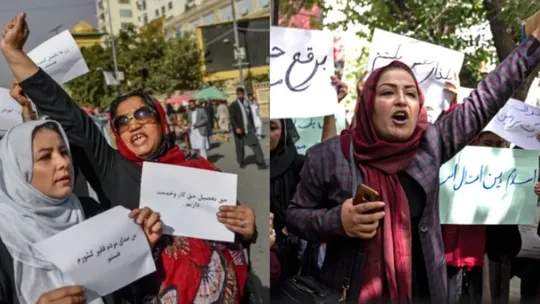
(464, 245)
(194, 270)
(389, 257)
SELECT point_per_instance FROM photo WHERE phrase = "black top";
(8, 294)
(115, 179)
(417, 202)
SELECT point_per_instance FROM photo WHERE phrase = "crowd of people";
(42, 160)
(390, 247)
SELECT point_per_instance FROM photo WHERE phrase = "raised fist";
(15, 33)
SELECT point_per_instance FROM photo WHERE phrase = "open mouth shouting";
(400, 118)
(139, 139)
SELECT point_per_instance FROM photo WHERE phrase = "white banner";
(302, 63)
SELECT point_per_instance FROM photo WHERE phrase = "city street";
(253, 190)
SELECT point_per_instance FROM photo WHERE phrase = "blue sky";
(42, 17)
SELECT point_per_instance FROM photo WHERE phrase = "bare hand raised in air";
(358, 221)
(15, 34)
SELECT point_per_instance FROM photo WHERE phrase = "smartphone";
(365, 194)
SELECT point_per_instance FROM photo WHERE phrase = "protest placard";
(10, 112)
(310, 129)
(488, 186)
(102, 254)
(432, 65)
(302, 63)
(60, 57)
(188, 207)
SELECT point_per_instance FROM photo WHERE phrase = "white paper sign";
(302, 63)
(103, 253)
(488, 186)
(188, 199)
(60, 57)
(530, 242)
(432, 65)
(518, 123)
(10, 112)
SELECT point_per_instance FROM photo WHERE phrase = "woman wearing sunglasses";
(189, 270)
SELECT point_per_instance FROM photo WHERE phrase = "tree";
(148, 61)
(90, 89)
(439, 22)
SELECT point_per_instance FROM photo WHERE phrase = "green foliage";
(147, 60)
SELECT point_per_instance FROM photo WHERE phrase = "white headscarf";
(27, 216)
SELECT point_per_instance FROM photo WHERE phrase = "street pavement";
(253, 190)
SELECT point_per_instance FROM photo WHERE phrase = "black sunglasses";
(142, 115)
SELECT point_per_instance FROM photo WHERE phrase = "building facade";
(123, 14)
(206, 12)
(150, 10)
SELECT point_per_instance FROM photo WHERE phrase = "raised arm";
(329, 129)
(306, 215)
(460, 127)
(51, 100)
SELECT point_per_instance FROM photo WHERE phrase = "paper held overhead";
(432, 65)
(517, 122)
(302, 63)
(60, 57)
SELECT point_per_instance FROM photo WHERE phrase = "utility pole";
(237, 51)
(56, 29)
(275, 12)
(113, 44)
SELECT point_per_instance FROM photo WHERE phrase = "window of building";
(210, 18)
(124, 1)
(163, 10)
(145, 19)
(157, 13)
(194, 24)
(139, 18)
(226, 13)
(170, 5)
(144, 5)
(126, 13)
(125, 25)
(244, 7)
(180, 33)
(263, 3)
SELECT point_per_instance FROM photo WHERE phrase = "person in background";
(256, 115)
(285, 167)
(245, 134)
(198, 126)
(224, 122)
(275, 266)
(192, 270)
(37, 202)
(466, 245)
(208, 107)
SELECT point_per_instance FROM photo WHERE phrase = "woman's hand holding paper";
(64, 295)
(238, 219)
(150, 221)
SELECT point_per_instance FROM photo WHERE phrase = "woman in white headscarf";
(37, 202)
